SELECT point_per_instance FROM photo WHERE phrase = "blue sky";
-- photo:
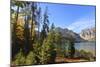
(73, 17)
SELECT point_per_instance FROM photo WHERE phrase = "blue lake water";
(87, 46)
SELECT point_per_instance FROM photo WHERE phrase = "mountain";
(88, 34)
(69, 34)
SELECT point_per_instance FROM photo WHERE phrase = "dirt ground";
(69, 60)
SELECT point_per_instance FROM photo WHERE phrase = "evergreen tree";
(33, 23)
(71, 50)
(45, 27)
(37, 50)
(58, 41)
(39, 21)
(52, 27)
(48, 53)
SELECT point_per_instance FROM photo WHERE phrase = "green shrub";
(30, 59)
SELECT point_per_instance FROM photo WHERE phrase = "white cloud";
(85, 22)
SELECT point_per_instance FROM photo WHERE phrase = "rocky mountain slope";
(85, 35)
(88, 34)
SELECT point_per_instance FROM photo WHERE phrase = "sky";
(73, 17)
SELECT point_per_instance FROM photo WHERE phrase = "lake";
(87, 46)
